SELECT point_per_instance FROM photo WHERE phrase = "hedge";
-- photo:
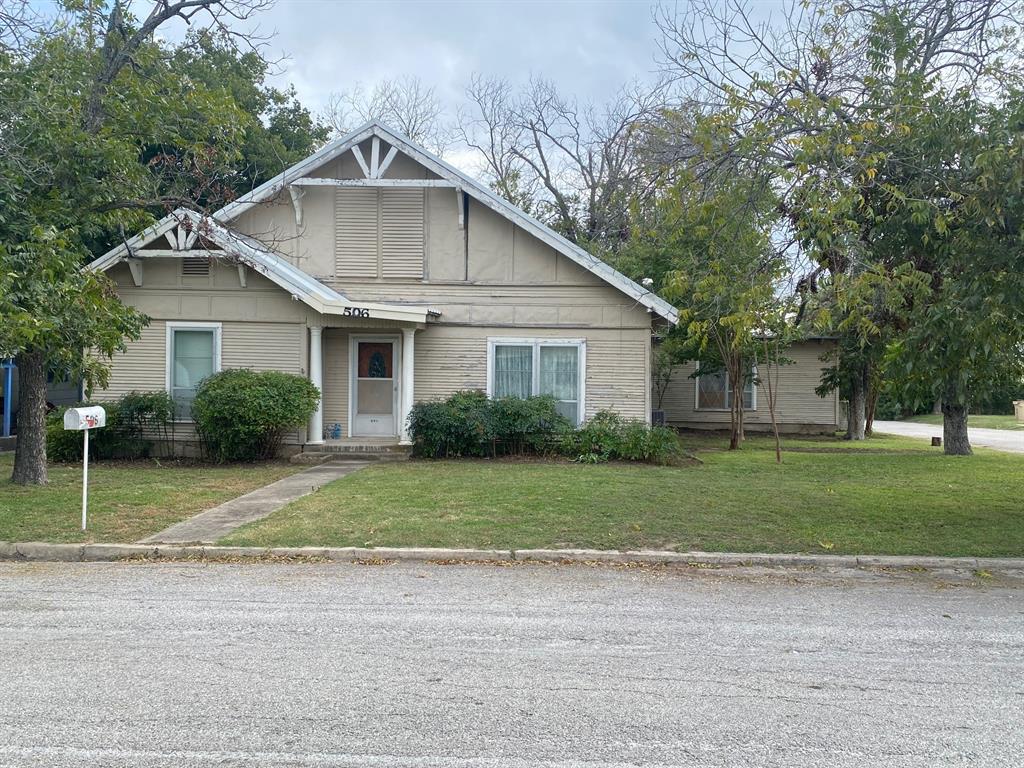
(470, 424)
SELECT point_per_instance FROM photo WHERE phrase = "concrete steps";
(351, 451)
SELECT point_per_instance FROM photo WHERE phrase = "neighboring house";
(60, 390)
(703, 402)
(387, 277)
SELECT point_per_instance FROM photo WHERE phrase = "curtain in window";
(193, 361)
(712, 391)
(513, 371)
(559, 378)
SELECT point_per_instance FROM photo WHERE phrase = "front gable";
(372, 210)
(469, 234)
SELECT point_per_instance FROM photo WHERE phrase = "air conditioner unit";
(658, 418)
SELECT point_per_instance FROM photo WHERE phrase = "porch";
(365, 374)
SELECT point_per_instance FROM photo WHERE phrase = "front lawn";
(988, 421)
(887, 495)
(127, 501)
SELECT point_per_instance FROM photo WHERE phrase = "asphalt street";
(1000, 439)
(186, 664)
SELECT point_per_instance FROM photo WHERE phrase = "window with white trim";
(530, 367)
(193, 353)
(714, 393)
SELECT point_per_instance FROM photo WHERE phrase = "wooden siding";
(798, 407)
(263, 346)
(452, 358)
(142, 368)
(336, 379)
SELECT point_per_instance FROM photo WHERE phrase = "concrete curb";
(44, 551)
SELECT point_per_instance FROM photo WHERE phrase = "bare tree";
(581, 161)
(488, 126)
(405, 104)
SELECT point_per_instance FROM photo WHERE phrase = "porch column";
(316, 377)
(408, 368)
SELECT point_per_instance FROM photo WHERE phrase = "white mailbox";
(82, 420)
(90, 417)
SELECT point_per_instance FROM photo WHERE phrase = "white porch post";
(316, 377)
(408, 389)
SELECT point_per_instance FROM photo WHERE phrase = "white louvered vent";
(402, 233)
(195, 267)
(356, 233)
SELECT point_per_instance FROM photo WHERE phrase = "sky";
(587, 48)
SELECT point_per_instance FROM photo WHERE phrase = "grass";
(888, 495)
(988, 421)
(127, 501)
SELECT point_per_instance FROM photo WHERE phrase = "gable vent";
(195, 267)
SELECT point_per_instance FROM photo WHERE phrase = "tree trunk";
(30, 452)
(735, 407)
(955, 441)
(869, 409)
(858, 406)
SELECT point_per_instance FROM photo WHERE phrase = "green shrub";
(135, 422)
(468, 424)
(526, 425)
(243, 415)
(600, 437)
(451, 428)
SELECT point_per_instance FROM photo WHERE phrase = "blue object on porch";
(7, 368)
(336, 431)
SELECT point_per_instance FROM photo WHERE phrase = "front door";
(374, 385)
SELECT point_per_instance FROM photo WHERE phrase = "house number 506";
(355, 312)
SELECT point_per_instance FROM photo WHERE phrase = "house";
(60, 390)
(703, 402)
(387, 277)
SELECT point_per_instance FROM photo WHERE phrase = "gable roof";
(256, 255)
(470, 186)
(466, 183)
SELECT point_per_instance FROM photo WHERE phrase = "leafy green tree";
(878, 124)
(78, 112)
(712, 254)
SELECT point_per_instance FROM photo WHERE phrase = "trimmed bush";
(135, 422)
(452, 428)
(526, 425)
(243, 415)
(468, 424)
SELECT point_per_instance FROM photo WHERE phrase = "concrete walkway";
(1000, 439)
(214, 524)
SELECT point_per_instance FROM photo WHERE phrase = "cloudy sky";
(586, 48)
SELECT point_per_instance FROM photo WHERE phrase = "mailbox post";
(84, 419)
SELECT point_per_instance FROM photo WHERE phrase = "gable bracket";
(375, 158)
(296, 195)
(135, 265)
(460, 205)
(386, 161)
(358, 154)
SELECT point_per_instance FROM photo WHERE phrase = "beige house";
(703, 402)
(387, 277)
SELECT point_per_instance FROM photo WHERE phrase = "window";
(715, 394)
(527, 367)
(193, 353)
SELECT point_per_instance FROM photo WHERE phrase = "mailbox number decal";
(355, 312)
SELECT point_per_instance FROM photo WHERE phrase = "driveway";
(1000, 439)
(420, 666)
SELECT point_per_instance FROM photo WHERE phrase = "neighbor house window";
(193, 353)
(528, 367)
(715, 394)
